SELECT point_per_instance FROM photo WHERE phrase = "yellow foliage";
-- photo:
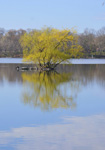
(49, 47)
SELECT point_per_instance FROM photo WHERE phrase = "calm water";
(73, 61)
(52, 111)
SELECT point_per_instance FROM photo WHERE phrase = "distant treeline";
(93, 42)
(9, 43)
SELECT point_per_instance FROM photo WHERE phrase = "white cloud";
(75, 133)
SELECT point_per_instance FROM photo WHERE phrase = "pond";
(52, 110)
(73, 61)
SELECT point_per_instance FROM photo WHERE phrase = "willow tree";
(49, 47)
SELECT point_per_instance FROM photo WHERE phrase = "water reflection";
(49, 90)
(75, 86)
(85, 73)
(74, 133)
(53, 90)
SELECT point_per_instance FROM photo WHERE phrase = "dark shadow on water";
(86, 73)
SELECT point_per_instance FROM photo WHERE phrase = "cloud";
(74, 133)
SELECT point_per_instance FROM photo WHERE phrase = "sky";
(60, 14)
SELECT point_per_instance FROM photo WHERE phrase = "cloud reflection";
(75, 133)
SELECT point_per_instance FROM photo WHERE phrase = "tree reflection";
(49, 90)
